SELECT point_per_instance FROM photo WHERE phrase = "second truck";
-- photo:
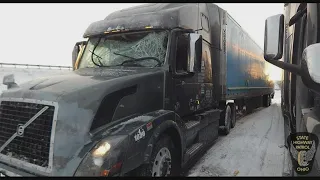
(151, 87)
(292, 42)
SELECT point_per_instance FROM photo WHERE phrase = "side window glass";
(182, 53)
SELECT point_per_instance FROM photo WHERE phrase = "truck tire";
(267, 100)
(227, 118)
(249, 108)
(164, 160)
(233, 115)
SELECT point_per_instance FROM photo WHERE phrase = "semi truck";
(292, 43)
(151, 87)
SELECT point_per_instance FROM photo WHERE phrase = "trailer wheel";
(163, 161)
(233, 115)
(227, 119)
(267, 100)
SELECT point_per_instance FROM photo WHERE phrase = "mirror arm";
(286, 66)
(297, 16)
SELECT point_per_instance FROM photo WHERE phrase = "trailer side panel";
(246, 68)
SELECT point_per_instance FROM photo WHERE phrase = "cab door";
(186, 86)
(192, 91)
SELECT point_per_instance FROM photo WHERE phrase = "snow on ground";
(22, 75)
(255, 147)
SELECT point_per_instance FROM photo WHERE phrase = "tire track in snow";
(265, 137)
(253, 147)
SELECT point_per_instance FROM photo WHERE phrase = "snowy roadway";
(255, 147)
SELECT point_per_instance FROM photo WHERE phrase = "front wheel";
(163, 161)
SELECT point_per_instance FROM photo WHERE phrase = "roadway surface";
(255, 147)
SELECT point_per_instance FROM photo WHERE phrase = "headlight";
(103, 159)
(101, 150)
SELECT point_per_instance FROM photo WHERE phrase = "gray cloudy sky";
(45, 33)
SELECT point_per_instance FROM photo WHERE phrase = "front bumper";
(13, 172)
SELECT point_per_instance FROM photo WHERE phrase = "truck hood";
(53, 88)
(78, 96)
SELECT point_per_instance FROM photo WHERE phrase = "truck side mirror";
(195, 51)
(9, 81)
(76, 53)
(310, 64)
(273, 37)
(273, 44)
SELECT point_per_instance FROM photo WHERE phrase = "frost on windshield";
(148, 45)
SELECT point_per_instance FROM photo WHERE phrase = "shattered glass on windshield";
(114, 50)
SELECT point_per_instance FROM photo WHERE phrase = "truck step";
(192, 151)
(192, 124)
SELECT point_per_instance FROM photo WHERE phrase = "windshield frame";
(166, 58)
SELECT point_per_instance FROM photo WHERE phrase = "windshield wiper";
(297, 16)
(92, 53)
(123, 55)
(95, 54)
(142, 59)
(131, 60)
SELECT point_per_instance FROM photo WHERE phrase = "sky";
(46, 33)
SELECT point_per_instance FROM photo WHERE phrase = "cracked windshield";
(143, 49)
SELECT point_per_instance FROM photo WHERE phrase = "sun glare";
(274, 73)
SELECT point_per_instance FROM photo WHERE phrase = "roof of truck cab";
(158, 15)
(145, 9)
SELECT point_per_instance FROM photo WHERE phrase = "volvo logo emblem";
(20, 130)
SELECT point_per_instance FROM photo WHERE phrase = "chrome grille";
(34, 146)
